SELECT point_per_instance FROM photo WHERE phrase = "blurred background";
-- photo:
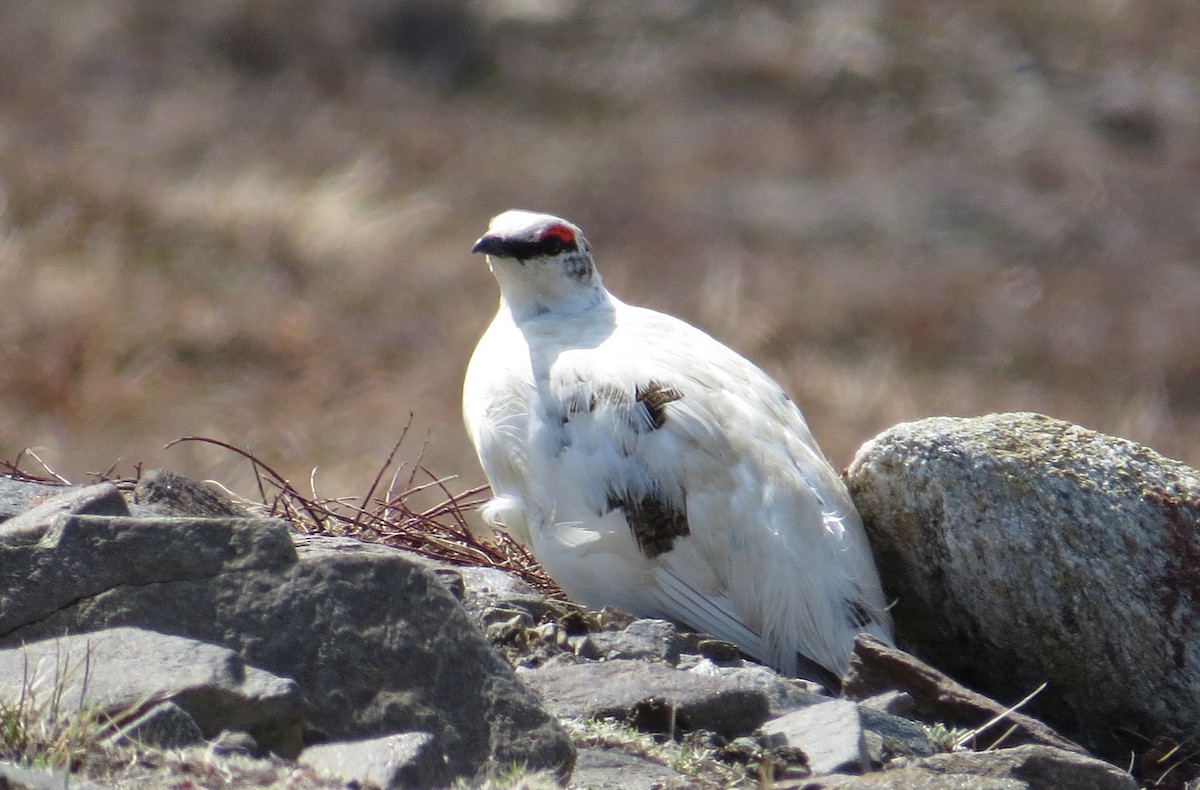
(250, 219)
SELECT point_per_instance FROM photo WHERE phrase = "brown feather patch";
(653, 396)
(654, 521)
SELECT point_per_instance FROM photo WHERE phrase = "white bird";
(649, 467)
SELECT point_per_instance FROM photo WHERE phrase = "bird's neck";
(529, 294)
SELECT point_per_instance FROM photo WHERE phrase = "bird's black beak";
(488, 244)
(517, 249)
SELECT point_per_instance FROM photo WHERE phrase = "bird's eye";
(561, 232)
(556, 239)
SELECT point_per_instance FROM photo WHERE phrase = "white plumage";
(649, 467)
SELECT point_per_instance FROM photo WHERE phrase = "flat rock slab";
(656, 640)
(877, 667)
(1022, 768)
(130, 669)
(911, 778)
(650, 697)
(1040, 767)
(392, 762)
(82, 556)
(1023, 549)
(166, 725)
(605, 769)
(18, 496)
(102, 499)
(784, 694)
(830, 735)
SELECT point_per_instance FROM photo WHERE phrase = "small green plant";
(946, 739)
(690, 757)
(952, 739)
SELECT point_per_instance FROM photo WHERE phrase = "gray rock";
(487, 588)
(783, 694)
(897, 703)
(876, 667)
(166, 726)
(603, 769)
(393, 762)
(102, 499)
(1023, 549)
(1039, 767)
(889, 736)
(830, 734)
(912, 778)
(651, 697)
(166, 493)
(124, 671)
(376, 642)
(84, 556)
(656, 640)
(17, 496)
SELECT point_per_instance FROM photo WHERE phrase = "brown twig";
(260, 467)
(439, 531)
(13, 469)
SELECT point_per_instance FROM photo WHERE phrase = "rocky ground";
(250, 219)
(211, 647)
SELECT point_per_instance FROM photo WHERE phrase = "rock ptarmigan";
(649, 467)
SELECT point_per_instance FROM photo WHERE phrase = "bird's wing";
(749, 531)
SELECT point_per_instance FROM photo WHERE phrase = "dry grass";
(249, 219)
(405, 506)
(42, 728)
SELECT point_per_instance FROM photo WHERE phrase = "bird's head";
(542, 262)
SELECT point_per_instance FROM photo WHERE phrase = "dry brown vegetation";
(249, 219)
